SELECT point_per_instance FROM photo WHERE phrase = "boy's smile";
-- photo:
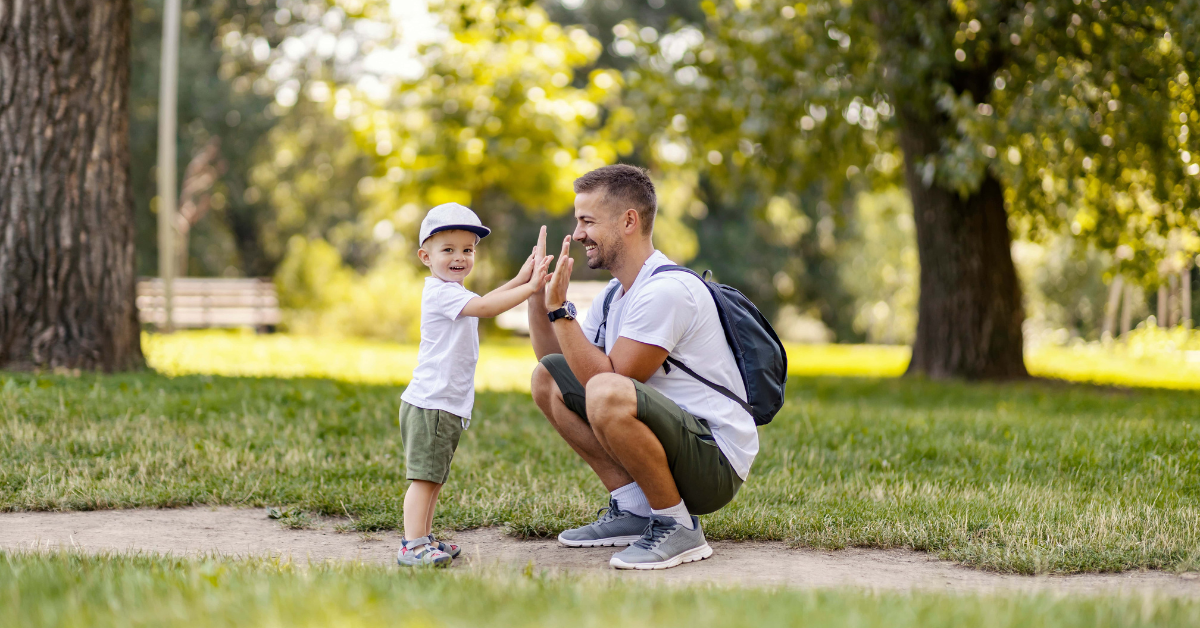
(450, 255)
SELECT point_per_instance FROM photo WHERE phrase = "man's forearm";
(585, 359)
(541, 330)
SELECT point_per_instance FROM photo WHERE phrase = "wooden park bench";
(210, 302)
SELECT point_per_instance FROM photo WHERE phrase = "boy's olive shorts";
(430, 438)
(702, 474)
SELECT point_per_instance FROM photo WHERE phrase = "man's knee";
(610, 397)
(543, 387)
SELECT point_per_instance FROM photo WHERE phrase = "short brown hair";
(626, 186)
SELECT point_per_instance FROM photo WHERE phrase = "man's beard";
(606, 254)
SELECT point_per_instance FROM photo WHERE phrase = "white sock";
(631, 499)
(679, 513)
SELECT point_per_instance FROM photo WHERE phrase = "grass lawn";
(1029, 477)
(70, 590)
(1150, 358)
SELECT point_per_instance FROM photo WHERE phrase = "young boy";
(436, 406)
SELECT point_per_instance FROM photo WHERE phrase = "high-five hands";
(556, 291)
(540, 274)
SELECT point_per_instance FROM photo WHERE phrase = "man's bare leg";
(612, 410)
(578, 434)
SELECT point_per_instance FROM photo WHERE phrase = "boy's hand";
(540, 276)
(539, 250)
(556, 290)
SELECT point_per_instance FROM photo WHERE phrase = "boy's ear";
(423, 256)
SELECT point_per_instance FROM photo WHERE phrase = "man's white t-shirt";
(445, 375)
(675, 311)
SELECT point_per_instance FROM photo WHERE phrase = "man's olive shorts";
(704, 477)
(430, 438)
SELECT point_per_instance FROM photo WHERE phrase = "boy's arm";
(503, 299)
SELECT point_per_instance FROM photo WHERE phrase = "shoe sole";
(693, 555)
(612, 541)
(437, 562)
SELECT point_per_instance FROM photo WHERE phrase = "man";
(665, 445)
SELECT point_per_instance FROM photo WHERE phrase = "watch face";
(570, 309)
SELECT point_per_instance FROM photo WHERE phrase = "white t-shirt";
(675, 311)
(445, 375)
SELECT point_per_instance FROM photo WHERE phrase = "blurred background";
(314, 135)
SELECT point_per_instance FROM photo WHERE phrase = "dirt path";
(248, 532)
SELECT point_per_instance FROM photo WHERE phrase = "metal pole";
(167, 196)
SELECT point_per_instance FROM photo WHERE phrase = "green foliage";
(217, 98)
(321, 295)
(1081, 109)
(1027, 477)
(64, 589)
(879, 265)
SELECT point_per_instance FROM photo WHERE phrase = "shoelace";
(656, 531)
(611, 513)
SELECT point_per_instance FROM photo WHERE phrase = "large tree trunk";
(67, 278)
(970, 310)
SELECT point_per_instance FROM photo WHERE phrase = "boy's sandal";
(450, 548)
(422, 552)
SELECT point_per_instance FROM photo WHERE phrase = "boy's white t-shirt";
(675, 311)
(445, 375)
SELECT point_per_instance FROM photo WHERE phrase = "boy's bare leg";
(418, 508)
(433, 497)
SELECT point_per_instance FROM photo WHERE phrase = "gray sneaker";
(664, 545)
(422, 552)
(614, 528)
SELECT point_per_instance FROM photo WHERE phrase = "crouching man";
(665, 445)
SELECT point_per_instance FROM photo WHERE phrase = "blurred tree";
(67, 277)
(1044, 116)
(490, 118)
(600, 16)
(222, 94)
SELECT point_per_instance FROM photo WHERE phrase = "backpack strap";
(713, 385)
(608, 299)
(683, 367)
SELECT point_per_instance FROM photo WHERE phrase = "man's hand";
(556, 291)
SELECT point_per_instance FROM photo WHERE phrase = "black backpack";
(756, 349)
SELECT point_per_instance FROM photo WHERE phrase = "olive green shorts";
(703, 475)
(430, 438)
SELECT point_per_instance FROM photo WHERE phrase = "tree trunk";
(970, 310)
(67, 278)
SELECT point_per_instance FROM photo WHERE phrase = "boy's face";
(450, 255)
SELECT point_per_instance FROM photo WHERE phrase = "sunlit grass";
(1016, 477)
(246, 354)
(70, 590)
(1150, 356)
(1157, 359)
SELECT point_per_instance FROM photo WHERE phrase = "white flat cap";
(448, 216)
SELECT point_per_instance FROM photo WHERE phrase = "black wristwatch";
(567, 311)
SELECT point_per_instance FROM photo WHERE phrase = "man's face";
(449, 254)
(598, 228)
